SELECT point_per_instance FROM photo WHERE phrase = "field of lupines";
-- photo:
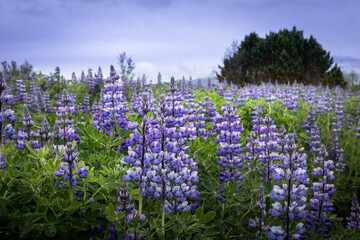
(103, 158)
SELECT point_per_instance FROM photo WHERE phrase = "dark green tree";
(285, 56)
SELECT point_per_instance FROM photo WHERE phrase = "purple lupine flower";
(337, 153)
(124, 199)
(256, 119)
(27, 134)
(159, 81)
(47, 102)
(45, 130)
(353, 222)
(86, 104)
(229, 150)
(260, 222)
(9, 114)
(66, 125)
(2, 162)
(111, 100)
(268, 146)
(10, 131)
(319, 205)
(40, 103)
(292, 192)
(197, 125)
(276, 233)
(82, 172)
(68, 166)
(312, 131)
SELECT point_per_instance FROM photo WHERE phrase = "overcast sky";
(173, 37)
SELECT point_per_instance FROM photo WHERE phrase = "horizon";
(175, 38)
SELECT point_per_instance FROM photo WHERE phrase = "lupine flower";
(313, 132)
(9, 114)
(268, 146)
(319, 205)
(46, 130)
(111, 100)
(40, 104)
(353, 222)
(337, 153)
(230, 130)
(27, 134)
(124, 199)
(276, 233)
(68, 166)
(260, 221)
(292, 192)
(10, 132)
(2, 162)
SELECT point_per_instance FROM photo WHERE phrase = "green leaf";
(50, 231)
(207, 217)
(29, 228)
(51, 217)
(91, 214)
(170, 222)
(134, 192)
(160, 235)
(136, 220)
(156, 222)
(118, 226)
(111, 216)
(199, 212)
(185, 214)
(30, 149)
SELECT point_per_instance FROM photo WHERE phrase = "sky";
(174, 37)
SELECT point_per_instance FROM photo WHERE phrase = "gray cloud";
(186, 36)
(348, 63)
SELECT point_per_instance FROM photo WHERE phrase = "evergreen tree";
(284, 57)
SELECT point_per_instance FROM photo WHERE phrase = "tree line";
(286, 56)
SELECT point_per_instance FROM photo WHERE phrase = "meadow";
(110, 158)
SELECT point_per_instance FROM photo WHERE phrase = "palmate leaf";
(50, 231)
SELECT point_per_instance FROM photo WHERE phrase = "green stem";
(71, 194)
(85, 186)
(95, 193)
(163, 216)
(70, 185)
(140, 200)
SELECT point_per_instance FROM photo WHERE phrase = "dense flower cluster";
(111, 100)
(313, 132)
(66, 124)
(162, 168)
(290, 197)
(27, 134)
(268, 147)
(229, 127)
(337, 153)
(320, 205)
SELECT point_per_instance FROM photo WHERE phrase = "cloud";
(33, 8)
(348, 63)
(174, 37)
(147, 68)
(347, 59)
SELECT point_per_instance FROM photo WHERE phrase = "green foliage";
(33, 207)
(285, 56)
